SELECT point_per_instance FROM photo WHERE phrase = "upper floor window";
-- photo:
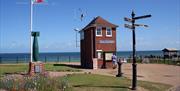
(98, 31)
(108, 32)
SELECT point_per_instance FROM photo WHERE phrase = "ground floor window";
(99, 54)
(108, 56)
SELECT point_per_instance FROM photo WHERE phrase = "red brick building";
(98, 42)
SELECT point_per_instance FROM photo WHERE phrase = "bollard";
(119, 69)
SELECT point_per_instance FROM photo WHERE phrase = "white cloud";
(177, 42)
(59, 46)
(15, 44)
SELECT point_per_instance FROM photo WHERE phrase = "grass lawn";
(92, 82)
(78, 82)
(86, 82)
(13, 68)
(16, 68)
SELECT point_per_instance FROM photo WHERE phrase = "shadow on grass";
(15, 73)
(101, 86)
(69, 65)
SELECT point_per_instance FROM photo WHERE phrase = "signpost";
(128, 26)
(106, 41)
(128, 19)
(141, 17)
(141, 25)
(132, 20)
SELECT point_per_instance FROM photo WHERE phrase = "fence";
(160, 60)
(25, 59)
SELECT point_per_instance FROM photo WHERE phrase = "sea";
(65, 56)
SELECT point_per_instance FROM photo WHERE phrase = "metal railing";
(171, 61)
(25, 59)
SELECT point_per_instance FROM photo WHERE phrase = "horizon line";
(79, 51)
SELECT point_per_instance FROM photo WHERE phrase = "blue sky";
(56, 19)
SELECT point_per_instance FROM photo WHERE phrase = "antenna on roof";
(79, 14)
(82, 14)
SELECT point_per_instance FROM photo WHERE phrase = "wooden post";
(0, 59)
(69, 59)
(58, 58)
(45, 59)
(17, 59)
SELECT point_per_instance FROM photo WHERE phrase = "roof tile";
(99, 21)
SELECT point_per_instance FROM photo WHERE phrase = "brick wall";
(105, 46)
(87, 49)
(91, 43)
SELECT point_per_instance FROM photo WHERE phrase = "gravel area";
(161, 73)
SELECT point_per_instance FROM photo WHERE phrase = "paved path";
(177, 88)
(168, 74)
(161, 73)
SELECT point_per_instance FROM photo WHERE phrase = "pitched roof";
(169, 49)
(99, 21)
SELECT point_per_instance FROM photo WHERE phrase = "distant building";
(170, 52)
(98, 43)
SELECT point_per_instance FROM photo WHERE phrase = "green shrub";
(35, 83)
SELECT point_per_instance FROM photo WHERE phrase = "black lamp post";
(134, 54)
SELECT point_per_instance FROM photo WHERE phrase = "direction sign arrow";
(127, 19)
(128, 26)
(140, 17)
(141, 25)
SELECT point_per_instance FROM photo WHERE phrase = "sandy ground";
(161, 73)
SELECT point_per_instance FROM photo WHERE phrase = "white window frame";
(97, 29)
(99, 51)
(107, 31)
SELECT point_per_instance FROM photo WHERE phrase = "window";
(99, 31)
(82, 35)
(108, 32)
(99, 54)
(108, 56)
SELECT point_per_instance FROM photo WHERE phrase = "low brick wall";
(36, 68)
(108, 64)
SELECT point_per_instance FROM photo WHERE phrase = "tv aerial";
(79, 15)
